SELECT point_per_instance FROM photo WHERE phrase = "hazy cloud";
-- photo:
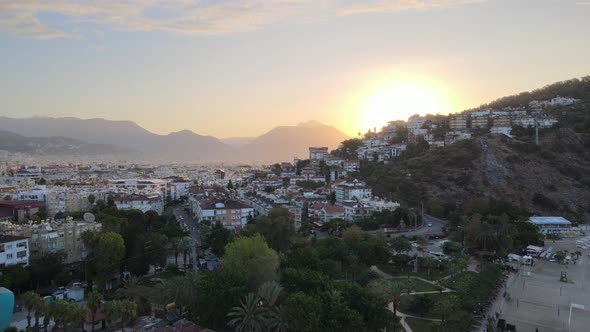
(21, 18)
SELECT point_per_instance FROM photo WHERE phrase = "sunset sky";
(239, 68)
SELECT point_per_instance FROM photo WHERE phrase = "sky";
(231, 68)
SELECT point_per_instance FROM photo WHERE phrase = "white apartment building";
(318, 153)
(144, 203)
(355, 190)
(138, 185)
(13, 250)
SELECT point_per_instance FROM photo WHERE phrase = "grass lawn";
(407, 270)
(419, 325)
(422, 286)
(406, 307)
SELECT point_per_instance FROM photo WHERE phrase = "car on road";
(429, 224)
(415, 245)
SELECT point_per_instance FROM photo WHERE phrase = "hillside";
(60, 146)
(552, 178)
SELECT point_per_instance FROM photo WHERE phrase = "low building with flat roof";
(551, 225)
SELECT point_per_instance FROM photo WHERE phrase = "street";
(424, 230)
(192, 226)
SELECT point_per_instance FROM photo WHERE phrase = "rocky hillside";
(551, 178)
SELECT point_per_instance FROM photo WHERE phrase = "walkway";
(401, 315)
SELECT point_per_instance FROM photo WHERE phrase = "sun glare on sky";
(398, 101)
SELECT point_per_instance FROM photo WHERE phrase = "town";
(104, 245)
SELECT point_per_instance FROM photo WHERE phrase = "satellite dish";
(88, 217)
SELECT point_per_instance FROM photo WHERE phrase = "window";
(8, 256)
(21, 244)
(9, 246)
(61, 234)
(21, 254)
(1, 248)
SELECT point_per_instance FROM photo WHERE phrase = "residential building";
(318, 153)
(458, 121)
(144, 203)
(415, 122)
(138, 185)
(352, 190)
(66, 237)
(356, 210)
(13, 250)
(328, 212)
(232, 214)
(20, 210)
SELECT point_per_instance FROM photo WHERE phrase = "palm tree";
(30, 300)
(249, 316)
(391, 290)
(60, 311)
(93, 303)
(77, 315)
(429, 262)
(45, 310)
(112, 311)
(128, 310)
(269, 293)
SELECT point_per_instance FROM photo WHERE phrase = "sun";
(398, 101)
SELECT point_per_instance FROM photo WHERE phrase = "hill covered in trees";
(552, 178)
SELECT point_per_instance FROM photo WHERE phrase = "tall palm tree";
(93, 303)
(77, 315)
(112, 311)
(269, 293)
(30, 300)
(60, 311)
(249, 316)
(45, 310)
(128, 310)
(391, 290)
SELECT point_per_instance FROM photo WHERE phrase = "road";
(424, 230)
(184, 218)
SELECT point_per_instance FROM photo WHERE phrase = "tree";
(60, 310)
(76, 315)
(277, 228)
(218, 292)
(230, 185)
(94, 303)
(7, 198)
(218, 238)
(251, 257)
(400, 244)
(391, 291)
(445, 305)
(109, 251)
(91, 199)
(32, 302)
(304, 312)
(249, 316)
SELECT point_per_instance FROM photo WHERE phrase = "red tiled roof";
(329, 208)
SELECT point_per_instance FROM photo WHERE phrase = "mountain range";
(121, 137)
(58, 146)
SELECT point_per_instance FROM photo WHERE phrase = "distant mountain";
(58, 146)
(279, 144)
(180, 146)
(237, 142)
(286, 142)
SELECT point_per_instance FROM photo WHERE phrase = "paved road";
(184, 218)
(424, 230)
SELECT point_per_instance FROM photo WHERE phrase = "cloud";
(401, 5)
(21, 18)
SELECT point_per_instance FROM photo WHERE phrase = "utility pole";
(537, 129)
